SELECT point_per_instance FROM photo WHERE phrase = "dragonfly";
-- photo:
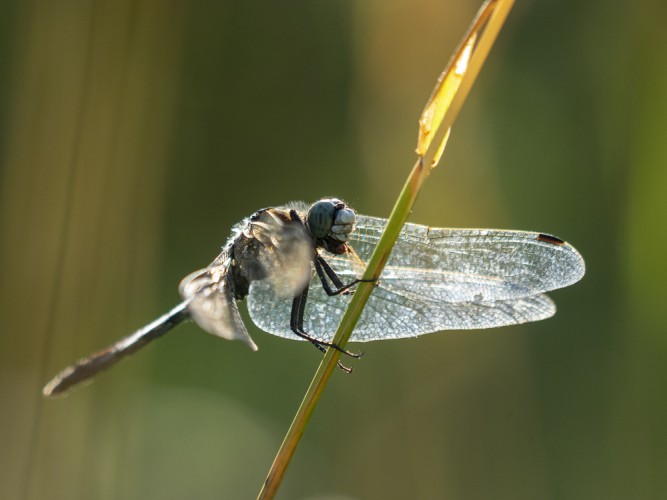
(297, 266)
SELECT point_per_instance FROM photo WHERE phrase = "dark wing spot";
(547, 238)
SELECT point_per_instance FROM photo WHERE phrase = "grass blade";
(436, 121)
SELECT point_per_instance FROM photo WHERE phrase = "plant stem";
(439, 114)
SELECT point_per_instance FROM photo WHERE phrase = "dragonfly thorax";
(273, 243)
(331, 222)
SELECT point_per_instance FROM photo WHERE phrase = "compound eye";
(343, 224)
(321, 217)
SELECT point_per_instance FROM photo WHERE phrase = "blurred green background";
(134, 134)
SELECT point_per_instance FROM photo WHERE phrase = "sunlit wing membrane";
(527, 263)
(389, 316)
(210, 301)
(435, 279)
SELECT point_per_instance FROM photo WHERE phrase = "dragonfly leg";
(296, 325)
(322, 267)
(346, 369)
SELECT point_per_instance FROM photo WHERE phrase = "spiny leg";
(296, 325)
(322, 267)
(346, 369)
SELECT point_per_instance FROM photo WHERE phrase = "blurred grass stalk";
(436, 121)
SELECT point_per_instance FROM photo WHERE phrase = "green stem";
(377, 261)
(447, 99)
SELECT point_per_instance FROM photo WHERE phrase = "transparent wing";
(209, 296)
(519, 262)
(435, 279)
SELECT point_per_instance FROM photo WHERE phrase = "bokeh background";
(135, 133)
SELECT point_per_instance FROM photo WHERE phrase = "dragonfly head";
(331, 221)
